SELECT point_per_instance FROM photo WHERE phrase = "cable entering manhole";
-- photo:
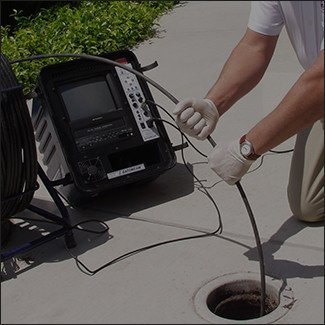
(240, 300)
(233, 298)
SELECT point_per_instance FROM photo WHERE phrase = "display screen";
(88, 98)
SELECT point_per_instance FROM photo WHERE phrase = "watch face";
(246, 149)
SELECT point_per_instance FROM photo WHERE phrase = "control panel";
(113, 132)
(135, 99)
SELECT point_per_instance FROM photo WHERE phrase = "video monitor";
(87, 98)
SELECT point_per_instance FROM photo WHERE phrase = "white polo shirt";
(304, 22)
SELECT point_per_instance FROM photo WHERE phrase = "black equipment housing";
(91, 129)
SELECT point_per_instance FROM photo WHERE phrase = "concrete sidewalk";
(169, 284)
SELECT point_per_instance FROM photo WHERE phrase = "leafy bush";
(26, 8)
(91, 27)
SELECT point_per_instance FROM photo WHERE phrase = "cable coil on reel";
(18, 148)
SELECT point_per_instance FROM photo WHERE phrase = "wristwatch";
(246, 149)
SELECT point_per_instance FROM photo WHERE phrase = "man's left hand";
(227, 161)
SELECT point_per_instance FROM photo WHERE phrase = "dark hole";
(241, 307)
(240, 303)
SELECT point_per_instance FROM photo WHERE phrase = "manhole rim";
(285, 296)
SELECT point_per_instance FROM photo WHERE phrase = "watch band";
(253, 155)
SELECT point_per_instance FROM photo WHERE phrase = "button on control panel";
(135, 98)
(99, 139)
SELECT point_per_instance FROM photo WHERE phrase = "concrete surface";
(159, 285)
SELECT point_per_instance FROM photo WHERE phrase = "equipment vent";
(92, 170)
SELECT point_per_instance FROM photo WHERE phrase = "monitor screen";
(87, 98)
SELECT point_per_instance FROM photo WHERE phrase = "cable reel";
(18, 148)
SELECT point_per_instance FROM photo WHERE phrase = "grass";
(91, 27)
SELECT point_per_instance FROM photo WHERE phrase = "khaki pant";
(306, 181)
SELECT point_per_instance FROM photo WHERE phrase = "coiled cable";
(18, 148)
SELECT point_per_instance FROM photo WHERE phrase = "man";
(300, 112)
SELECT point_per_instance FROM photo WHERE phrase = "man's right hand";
(196, 117)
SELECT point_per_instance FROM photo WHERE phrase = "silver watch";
(247, 149)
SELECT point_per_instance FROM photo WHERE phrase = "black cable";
(175, 101)
(139, 250)
(106, 228)
(83, 267)
(258, 245)
(250, 214)
(142, 249)
(255, 230)
(281, 151)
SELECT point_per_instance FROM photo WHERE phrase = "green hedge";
(91, 27)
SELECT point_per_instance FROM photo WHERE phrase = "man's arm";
(302, 106)
(243, 70)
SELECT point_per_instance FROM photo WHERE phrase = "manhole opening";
(240, 300)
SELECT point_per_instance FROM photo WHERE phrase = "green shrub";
(91, 27)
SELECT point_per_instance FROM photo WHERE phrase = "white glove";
(196, 117)
(227, 161)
